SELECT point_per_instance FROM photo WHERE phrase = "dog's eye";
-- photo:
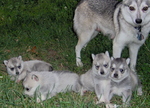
(131, 8)
(112, 69)
(19, 66)
(97, 67)
(122, 71)
(27, 89)
(145, 8)
(105, 65)
(12, 69)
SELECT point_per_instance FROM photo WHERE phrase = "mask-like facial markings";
(101, 64)
(136, 13)
(15, 66)
(118, 70)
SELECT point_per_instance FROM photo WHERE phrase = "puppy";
(17, 68)
(123, 80)
(97, 78)
(47, 84)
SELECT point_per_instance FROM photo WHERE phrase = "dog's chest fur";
(119, 87)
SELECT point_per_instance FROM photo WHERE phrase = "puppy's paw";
(99, 102)
(111, 105)
(17, 81)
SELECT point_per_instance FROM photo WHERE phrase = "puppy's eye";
(27, 89)
(97, 67)
(112, 69)
(12, 69)
(19, 67)
(131, 8)
(122, 71)
(145, 8)
(105, 65)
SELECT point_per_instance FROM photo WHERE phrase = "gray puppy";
(47, 84)
(97, 78)
(17, 68)
(123, 80)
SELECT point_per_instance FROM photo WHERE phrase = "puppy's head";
(31, 83)
(14, 65)
(101, 64)
(119, 69)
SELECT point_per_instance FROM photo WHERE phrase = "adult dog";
(126, 22)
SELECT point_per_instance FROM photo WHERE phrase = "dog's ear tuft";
(93, 56)
(35, 77)
(20, 57)
(107, 53)
(112, 58)
(6, 62)
(128, 61)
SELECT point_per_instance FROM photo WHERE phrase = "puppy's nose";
(116, 75)
(138, 21)
(102, 72)
(17, 73)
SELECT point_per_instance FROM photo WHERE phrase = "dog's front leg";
(133, 50)
(100, 96)
(126, 97)
(117, 48)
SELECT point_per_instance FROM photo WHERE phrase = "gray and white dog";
(123, 80)
(126, 22)
(97, 78)
(17, 68)
(47, 84)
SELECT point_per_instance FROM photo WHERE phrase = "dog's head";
(101, 64)
(119, 69)
(31, 83)
(14, 65)
(136, 12)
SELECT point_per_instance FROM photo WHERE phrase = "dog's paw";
(139, 92)
(17, 81)
(79, 64)
(111, 105)
(99, 102)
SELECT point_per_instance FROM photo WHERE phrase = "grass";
(43, 29)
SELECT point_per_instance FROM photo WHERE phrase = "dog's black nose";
(116, 75)
(17, 73)
(138, 21)
(102, 72)
(27, 89)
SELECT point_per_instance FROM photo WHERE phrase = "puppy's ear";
(20, 57)
(93, 56)
(107, 53)
(112, 58)
(6, 62)
(128, 61)
(35, 77)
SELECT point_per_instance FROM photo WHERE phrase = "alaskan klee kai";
(127, 22)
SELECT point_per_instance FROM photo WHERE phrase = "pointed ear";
(35, 77)
(20, 57)
(107, 53)
(112, 58)
(6, 62)
(128, 61)
(93, 56)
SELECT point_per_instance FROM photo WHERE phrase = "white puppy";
(47, 84)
